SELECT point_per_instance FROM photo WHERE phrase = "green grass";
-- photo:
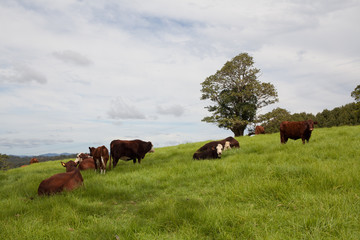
(264, 190)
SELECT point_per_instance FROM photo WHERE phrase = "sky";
(76, 74)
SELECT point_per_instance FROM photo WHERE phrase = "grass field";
(264, 190)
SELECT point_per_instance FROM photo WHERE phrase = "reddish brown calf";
(259, 130)
(101, 155)
(69, 180)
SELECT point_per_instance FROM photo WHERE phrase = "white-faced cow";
(129, 150)
(101, 156)
(85, 161)
(69, 180)
(209, 153)
(296, 130)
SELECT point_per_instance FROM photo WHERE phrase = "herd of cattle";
(136, 150)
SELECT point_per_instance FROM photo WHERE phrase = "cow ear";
(63, 164)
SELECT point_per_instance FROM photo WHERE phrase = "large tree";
(237, 94)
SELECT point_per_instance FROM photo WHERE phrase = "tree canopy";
(236, 94)
(356, 93)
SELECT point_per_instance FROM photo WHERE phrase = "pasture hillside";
(264, 190)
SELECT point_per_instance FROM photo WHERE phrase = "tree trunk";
(238, 130)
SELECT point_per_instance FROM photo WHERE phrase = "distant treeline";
(11, 161)
(348, 114)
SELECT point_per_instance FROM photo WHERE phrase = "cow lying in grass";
(59, 182)
(85, 161)
(209, 153)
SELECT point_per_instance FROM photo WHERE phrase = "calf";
(296, 130)
(210, 153)
(259, 130)
(101, 155)
(85, 161)
(69, 180)
(34, 160)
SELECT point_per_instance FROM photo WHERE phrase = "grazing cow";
(85, 161)
(69, 180)
(210, 153)
(232, 142)
(259, 130)
(296, 130)
(34, 160)
(101, 155)
(129, 150)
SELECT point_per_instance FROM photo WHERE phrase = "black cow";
(129, 150)
(211, 153)
(296, 130)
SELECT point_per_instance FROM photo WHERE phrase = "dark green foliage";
(356, 93)
(348, 114)
(4, 165)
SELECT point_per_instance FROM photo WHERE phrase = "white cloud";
(121, 109)
(21, 74)
(72, 57)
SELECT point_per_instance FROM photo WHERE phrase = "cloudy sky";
(75, 74)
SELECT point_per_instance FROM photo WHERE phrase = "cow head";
(92, 150)
(227, 145)
(70, 165)
(219, 148)
(80, 157)
(310, 124)
(151, 147)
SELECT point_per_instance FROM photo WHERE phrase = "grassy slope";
(264, 190)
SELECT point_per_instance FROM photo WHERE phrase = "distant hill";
(17, 161)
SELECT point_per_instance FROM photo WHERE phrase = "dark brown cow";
(210, 153)
(101, 155)
(69, 180)
(233, 144)
(85, 161)
(34, 160)
(296, 130)
(259, 130)
(129, 150)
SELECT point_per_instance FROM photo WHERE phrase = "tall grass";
(264, 190)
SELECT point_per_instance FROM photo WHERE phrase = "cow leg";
(303, 140)
(134, 160)
(139, 160)
(102, 166)
(115, 161)
(95, 162)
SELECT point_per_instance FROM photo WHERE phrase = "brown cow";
(69, 180)
(296, 130)
(101, 155)
(34, 160)
(259, 130)
(129, 150)
(85, 161)
(232, 141)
